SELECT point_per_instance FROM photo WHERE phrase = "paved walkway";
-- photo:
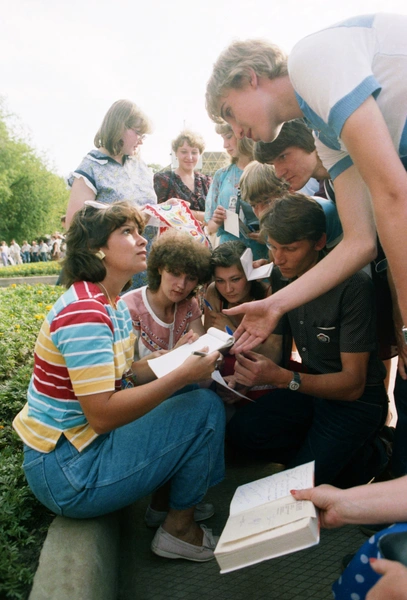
(110, 559)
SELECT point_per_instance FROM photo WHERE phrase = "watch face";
(293, 386)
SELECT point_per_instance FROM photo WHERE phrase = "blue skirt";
(358, 577)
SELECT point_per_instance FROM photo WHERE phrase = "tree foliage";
(32, 198)
(155, 167)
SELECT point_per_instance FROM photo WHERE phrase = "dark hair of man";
(228, 255)
(178, 252)
(293, 133)
(292, 218)
(89, 231)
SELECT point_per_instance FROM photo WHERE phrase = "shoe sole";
(166, 554)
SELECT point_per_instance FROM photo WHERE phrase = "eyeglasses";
(141, 136)
(269, 246)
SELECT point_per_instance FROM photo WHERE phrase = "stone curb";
(79, 559)
(50, 279)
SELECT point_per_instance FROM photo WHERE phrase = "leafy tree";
(155, 167)
(32, 198)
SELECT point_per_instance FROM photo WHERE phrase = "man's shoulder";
(360, 278)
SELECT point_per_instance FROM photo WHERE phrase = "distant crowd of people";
(318, 185)
(52, 248)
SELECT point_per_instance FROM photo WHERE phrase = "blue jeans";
(293, 428)
(179, 441)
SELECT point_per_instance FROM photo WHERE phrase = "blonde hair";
(122, 115)
(245, 145)
(259, 183)
(232, 69)
(193, 139)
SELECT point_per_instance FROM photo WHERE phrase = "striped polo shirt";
(84, 347)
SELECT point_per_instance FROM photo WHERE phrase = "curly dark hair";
(178, 252)
(89, 231)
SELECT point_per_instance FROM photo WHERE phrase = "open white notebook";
(214, 339)
(266, 521)
(254, 273)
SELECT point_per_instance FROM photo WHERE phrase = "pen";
(228, 330)
(207, 304)
(198, 353)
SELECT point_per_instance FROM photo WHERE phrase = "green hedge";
(51, 267)
(23, 520)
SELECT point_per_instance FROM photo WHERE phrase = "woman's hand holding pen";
(200, 365)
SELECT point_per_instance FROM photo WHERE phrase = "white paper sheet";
(272, 488)
(214, 339)
(266, 517)
(251, 273)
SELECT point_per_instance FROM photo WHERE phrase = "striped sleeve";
(83, 335)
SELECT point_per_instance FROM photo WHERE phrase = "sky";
(62, 64)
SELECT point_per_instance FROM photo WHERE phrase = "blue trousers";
(179, 441)
(293, 428)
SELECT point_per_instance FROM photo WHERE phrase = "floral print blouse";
(168, 184)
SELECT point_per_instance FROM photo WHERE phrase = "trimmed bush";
(51, 267)
(23, 520)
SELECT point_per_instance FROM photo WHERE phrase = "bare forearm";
(125, 406)
(331, 386)
(211, 226)
(392, 226)
(384, 502)
(79, 194)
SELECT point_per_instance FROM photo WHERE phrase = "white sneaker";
(166, 545)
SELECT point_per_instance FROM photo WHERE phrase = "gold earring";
(100, 254)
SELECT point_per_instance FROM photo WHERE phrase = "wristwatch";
(295, 382)
(404, 332)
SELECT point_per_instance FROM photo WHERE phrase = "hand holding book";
(265, 521)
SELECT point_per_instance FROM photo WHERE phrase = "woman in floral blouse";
(184, 183)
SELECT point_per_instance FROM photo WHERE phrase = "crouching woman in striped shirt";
(93, 445)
